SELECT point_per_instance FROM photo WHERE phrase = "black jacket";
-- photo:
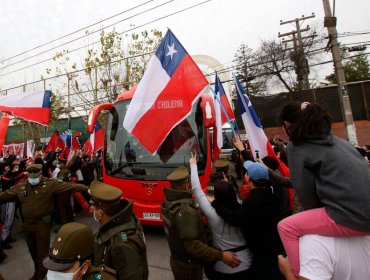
(258, 217)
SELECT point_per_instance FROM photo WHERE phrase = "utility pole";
(298, 55)
(330, 23)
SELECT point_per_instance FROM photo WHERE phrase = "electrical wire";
(83, 36)
(136, 27)
(74, 32)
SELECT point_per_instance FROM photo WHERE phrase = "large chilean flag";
(165, 94)
(31, 106)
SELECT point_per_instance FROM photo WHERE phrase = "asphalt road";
(19, 266)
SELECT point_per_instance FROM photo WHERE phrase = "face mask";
(56, 275)
(34, 181)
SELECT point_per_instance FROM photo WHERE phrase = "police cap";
(221, 165)
(73, 242)
(34, 170)
(104, 194)
(179, 176)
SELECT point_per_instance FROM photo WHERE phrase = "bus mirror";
(208, 109)
(93, 115)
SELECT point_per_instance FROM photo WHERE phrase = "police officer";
(70, 255)
(36, 199)
(119, 243)
(185, 231)
(222, 170)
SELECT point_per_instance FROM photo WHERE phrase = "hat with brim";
(34, 170)
(179, 176)
(51, 264)
(73, 242)
(104, 194)
(256, 171)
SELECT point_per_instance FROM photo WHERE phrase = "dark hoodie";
(330, 172)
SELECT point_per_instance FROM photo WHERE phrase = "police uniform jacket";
(64, 175)
(185, 230)
(37, 201)
(96, 273)
(120, 245)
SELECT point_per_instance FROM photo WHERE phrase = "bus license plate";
(151, 216)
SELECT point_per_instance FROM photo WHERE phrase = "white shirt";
(335, 258)
(224, 236)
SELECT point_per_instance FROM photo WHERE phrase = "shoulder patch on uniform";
(97, 276)
(124, 236)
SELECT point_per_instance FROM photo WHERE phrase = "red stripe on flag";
(184, 86)
(39, 115)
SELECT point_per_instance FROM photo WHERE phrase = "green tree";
(356, 69)
(111, 67)
(139, 49)
(245, 73)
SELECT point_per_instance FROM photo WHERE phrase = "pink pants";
(314, 221)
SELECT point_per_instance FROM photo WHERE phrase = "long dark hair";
(225, 193)
(311, 121)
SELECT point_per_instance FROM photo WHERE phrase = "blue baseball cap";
(256, 171)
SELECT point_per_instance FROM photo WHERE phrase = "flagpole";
(223, 109)
(43, 143)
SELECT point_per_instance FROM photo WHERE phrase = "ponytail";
(307, 121)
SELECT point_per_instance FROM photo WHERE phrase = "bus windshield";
(125, 157)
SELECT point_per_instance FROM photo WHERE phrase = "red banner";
(4, 123)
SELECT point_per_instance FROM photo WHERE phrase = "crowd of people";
(224, 231)
(47, 189)
(328, 237)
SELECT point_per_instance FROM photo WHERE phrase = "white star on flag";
(171, 50)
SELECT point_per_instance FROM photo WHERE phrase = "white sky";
(216, 28)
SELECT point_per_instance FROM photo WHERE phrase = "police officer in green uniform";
(70, 255)
(185, 231)
(120, 242)
(36, 199)
(222, 170)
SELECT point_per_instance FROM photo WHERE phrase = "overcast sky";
(215, 28)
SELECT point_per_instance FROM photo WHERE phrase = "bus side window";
(113, 131)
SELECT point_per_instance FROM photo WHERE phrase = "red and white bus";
(142, 176)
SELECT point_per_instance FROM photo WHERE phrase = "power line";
(81, 29)
(83, 36)
(136, 27)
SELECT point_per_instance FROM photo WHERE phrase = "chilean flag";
(256, 136)
(55, 142)
(219, 89)
(96, 141)
(217, 135)
(31, 106)
(165, 94)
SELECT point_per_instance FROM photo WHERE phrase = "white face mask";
(56, 275)
(34, 181)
